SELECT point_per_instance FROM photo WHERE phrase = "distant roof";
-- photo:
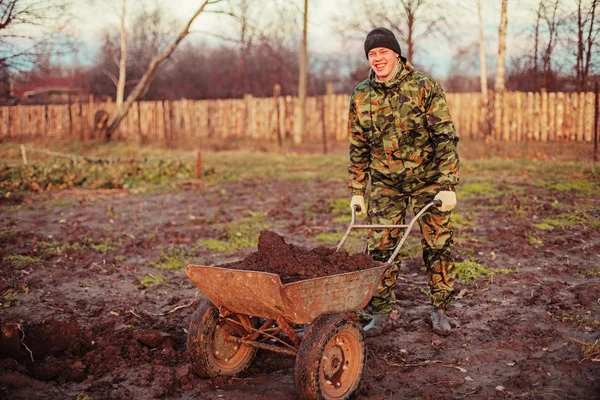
(75, 81)
(51, 90)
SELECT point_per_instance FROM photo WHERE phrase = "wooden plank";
(551, 116)
(544, 116)
(580, 116)
(560, 116)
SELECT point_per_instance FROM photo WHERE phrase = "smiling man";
(402, 138)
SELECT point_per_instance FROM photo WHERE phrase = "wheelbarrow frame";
(255, 310)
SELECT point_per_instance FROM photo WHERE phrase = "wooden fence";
(524, 116)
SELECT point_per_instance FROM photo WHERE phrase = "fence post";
(276, 93)
(596, 117)
(323, 126)
(23, 154)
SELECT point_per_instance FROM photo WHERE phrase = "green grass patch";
(341, 207)
(59, 174)
(533, 240)
(6, 233)
(565, 221)
(544, 226)
(10, 300)
(482, 189)
(592, 273)
(582, 186)
(56, 247)
(106, 246)
(174, 258)
(575, 319)
(471, 271)
(240, 234)
(151, 280)
(460, 221)
(20, 261)
(11, 209)
(330, 238)
(219, 246)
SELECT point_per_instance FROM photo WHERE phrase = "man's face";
(383, 61)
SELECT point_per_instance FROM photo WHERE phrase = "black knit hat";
(381, 37)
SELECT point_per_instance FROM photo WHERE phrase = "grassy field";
(93, 247)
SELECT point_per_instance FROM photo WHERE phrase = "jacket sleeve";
(444, 138)
(360, 152)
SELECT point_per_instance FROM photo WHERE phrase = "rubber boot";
(440, 323)
(380, 324)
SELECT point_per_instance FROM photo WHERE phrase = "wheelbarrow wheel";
(330, 359)
(210, 353)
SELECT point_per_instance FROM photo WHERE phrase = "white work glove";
(358, 201)
(448, 199)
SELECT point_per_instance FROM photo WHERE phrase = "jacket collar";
(404, 70)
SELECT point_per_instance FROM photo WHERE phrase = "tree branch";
(148, 75)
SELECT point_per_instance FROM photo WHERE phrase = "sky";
(322, 39)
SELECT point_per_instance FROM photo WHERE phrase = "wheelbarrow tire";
(330, 359)
(209, 352)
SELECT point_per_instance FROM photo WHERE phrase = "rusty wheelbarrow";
(249, 310)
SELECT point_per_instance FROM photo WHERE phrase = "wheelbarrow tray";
(262, 294)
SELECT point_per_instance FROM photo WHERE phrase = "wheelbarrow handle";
(408, 227)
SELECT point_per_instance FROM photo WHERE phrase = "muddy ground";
(91, 326)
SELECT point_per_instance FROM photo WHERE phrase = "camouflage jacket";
(401, 133)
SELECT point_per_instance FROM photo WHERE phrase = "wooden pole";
(544, 115)
(276, 93)
(596, 117)
(199, 166)
(323, 127)
(23, 154)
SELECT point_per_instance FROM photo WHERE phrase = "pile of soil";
(295, 263)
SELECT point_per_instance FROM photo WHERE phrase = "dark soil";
(91, 326)
(295, 263)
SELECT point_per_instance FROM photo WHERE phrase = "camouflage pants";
(388, 206)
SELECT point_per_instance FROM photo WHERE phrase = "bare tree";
(536, 44)
(501, 59)
(141, 86)
(302, 79)
(30, 29)
(587, 40)
(463, 76)
(553, 23)
(499, 85)
(265, 32)
(123, 58)
(412, 20)
(483, 68)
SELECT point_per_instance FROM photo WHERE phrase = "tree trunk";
(149, 74)
(302, 81)
(590, 44)
(579, 63)
(500, 62)
(500, 67)
(122, 60)
(483, 70)
(410, 33)
(536, 45)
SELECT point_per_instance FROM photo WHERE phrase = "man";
(402, 138)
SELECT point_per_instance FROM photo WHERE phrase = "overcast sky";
(322, 39)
